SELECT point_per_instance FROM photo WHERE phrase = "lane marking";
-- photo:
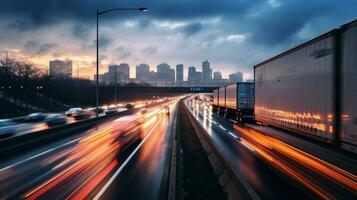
(234, 121)
(232, 134)
(115, 175)
(247, 146)
(40, 154)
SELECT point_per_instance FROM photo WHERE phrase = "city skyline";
(167, 73)
(229, 35)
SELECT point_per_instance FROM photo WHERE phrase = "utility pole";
(97, 80)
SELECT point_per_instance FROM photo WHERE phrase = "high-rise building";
(217, 76)
(206, 72)
(165, 73)
(179, 73)
(143, 72)
(117, 73)
(60, 68)
(171, 76)
(194, 76)
(191, 74)
(123, 72)
(163, 67)
(236, 77)
(198, 77)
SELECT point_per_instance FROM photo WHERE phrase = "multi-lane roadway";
(277, 165)
(126, 157)
(129, 157)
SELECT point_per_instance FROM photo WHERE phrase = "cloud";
(245, 33)
(80, 31)
(236, 38)
(45, 48)
(19, 25)
(144, 23)
(34, 48)
(31, 46)
(103, 57)
(123, 52)
(104, 42)
(190, 29)
(150, 50)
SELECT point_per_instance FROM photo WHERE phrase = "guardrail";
(10, 146)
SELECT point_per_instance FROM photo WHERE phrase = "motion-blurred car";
(7, 128)
(164, 110)
(55, 119)
(128, 129)
(71, 111)
(100, 110)
(35, 117)
(143, 110)
(129, 106)
(83, 114)
(111, 110)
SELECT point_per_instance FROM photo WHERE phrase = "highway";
(130, 154)
(23, 126)
(273, 168)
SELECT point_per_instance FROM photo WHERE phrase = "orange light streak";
(257, 140)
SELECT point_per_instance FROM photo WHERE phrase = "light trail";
(267, 147)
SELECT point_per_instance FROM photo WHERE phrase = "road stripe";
(40, 154)
(115, 175)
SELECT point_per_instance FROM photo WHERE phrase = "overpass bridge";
(151, 89)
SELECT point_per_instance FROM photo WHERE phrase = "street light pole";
(97, 81)
(97, 77)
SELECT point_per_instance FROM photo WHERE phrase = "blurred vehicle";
(143, 111)
(164, 110)
(55, 119)
(83, 114)
(71, 111)
(100, 110)
(7, 128)
(111, 110)
(129, 106)
(167, 109)
(35, 117)
(128, 129)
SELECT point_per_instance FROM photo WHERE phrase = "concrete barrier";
(233, 183)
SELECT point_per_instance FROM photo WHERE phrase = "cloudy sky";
(233, 35)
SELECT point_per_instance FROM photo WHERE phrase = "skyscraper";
(236, 77)
(165, 73)
(198, 77)
(61, 68)
(143, 72)
(179, 73)
(123, 72)
(191, 74)
(206, 72)
(194, 76)
(117, 73)
(217, 76)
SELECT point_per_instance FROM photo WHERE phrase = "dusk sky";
(233, 35)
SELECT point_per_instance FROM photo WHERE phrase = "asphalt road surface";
(128, 154)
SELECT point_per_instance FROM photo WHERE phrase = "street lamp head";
(143, 9)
